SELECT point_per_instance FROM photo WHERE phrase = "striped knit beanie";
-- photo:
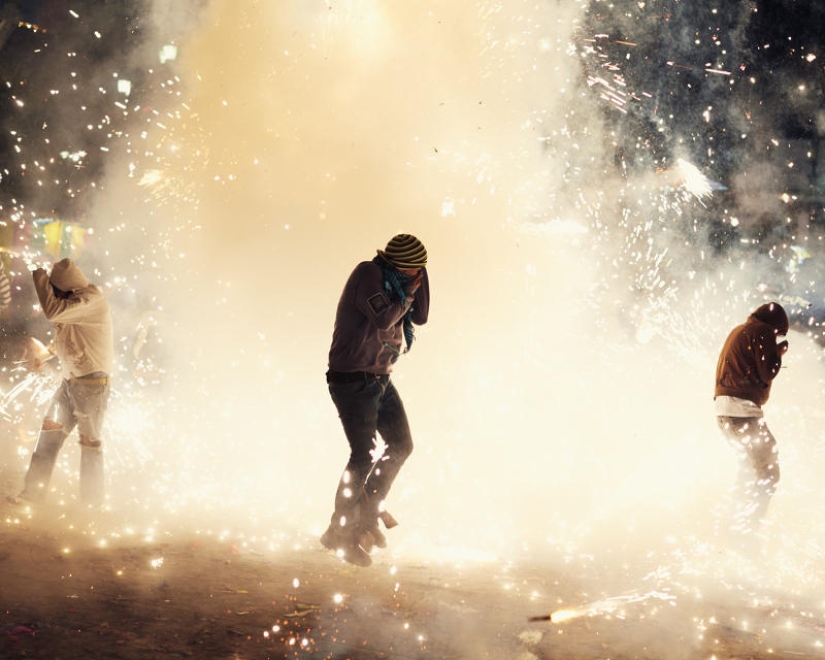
(405, 251)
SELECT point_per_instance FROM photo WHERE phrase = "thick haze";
(560, 396)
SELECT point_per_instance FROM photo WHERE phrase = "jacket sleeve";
(768, 359)
(74, 309)
(421, 304)
(372, 300)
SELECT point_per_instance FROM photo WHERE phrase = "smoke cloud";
(561, 395)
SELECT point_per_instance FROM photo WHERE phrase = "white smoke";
(560, 397)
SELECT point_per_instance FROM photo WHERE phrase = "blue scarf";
(394, 282)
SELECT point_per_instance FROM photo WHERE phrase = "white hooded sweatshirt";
(83, 323)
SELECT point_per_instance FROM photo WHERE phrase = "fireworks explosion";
(604, 189)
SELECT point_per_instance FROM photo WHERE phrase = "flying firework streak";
(688, 67)
(605, 606)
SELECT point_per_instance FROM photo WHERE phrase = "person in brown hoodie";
(749, 362)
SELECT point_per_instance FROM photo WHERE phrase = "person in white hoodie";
(83, 343)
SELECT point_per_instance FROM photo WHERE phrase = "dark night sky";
(34, 63)
(770, 44)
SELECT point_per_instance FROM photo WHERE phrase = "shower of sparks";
(694, 181)
(33, 389)
(125, 129)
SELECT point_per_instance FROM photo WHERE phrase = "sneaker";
(356, 554)
(378, 538)
(354, 550)
(332, 539)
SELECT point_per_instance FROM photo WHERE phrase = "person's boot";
(368, 517)
(347, 541)
(378, 538)
(333, 537)
(41, 466)
(358, 551)
(92, 491)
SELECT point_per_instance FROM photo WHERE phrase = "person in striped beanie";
(382, 301)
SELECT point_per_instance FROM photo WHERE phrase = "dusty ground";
(113, 584)
(65, 594)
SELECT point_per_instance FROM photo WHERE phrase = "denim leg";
(758, 466)
(357, 405)
(49, 443)
(92, 480)
(41, 466)
(74, 404)
(395, 431)
(61, 408)
(89, 404)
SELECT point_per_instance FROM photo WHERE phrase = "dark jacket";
(369, 333)
(750, 358)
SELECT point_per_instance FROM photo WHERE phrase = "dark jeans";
(758, 459)
(367, 407)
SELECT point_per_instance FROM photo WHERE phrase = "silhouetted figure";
(750, 360)
(381, 301)
(84, 345)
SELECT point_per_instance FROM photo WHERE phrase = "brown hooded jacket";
(750, 358)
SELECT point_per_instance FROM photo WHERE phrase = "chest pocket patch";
(378, 302)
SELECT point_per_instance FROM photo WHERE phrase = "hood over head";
(774, 315)
(67, 277)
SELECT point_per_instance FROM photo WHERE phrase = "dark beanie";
(773, 314)
(405, 251)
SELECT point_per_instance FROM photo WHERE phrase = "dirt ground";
(66, 594)
(113, 584)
